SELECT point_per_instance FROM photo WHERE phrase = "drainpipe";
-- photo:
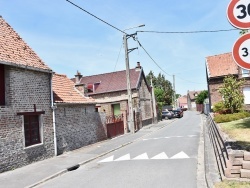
(53, 107)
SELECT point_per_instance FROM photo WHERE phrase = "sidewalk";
(36, 173)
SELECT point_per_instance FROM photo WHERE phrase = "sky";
(68, 39)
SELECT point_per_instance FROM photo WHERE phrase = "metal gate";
(115, 125)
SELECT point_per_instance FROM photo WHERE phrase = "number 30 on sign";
(241, 51)
(238, 13)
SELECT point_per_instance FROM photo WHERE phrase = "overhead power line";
(151, 57)
(96, 17)
(188, 32)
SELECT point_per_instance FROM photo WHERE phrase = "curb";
(91, 159)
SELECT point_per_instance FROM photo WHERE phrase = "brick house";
(110, 92)
(219, 66)
(77, 122)
(191, 99)
(26, 125)
(182, 102)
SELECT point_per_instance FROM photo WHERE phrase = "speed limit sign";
(238, 13)
(241, 51)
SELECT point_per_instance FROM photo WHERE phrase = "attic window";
(90, 88)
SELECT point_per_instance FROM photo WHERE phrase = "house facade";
(219, 66)
(110, 92)
(77, 122)
(191, 104)
(26, 124)
(182, 102)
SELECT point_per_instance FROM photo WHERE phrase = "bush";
(220, 108)
(222, 118)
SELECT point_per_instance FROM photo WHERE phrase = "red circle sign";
(241, 51)
(238, 13)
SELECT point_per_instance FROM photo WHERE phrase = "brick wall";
(214, 92)
(23, 89)
(145, 101)
(78, 125)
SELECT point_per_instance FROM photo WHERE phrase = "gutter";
(53, 107)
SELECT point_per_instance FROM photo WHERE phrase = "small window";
(2, 85)
(31, 130)
(245, 73)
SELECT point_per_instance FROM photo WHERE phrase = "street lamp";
(131, 124)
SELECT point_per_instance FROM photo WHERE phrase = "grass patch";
(239, 131)
(232, 184)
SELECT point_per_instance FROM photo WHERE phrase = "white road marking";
(124, 158)
(162, 155)
(180, 155)
(145, 139)
(109, 159)
(142, 156)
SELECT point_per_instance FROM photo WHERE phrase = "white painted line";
(192, 135)
(109, 159)
(179, 136)
(162, 155)
(180, 155)
(124, 158)
(142, 156)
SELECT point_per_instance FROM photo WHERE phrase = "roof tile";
(221, 65)
(15, 51)
(114, 81)
(64, 91)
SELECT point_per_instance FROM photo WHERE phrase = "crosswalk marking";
(162, 155)
(180, 155)
(124, 158)
(142, 156)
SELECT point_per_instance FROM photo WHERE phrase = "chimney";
(78, 77)
(138, 67)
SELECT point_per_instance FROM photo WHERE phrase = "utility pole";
(154, 105)
(174, 92)
(131, 123)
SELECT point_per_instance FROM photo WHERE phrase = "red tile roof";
(14, 51)
(64, 91)
(193, 94)
(221, 65)
(114, 81)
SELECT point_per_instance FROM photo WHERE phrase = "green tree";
(231, 93)
(199, 99)
(163, 88)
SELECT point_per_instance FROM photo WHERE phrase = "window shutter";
(2, 85)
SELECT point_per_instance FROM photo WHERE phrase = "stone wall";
(78, 125)
(24, 88)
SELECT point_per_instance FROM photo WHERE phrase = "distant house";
(219, 66)
(26, 123)
(77, 122)
(191, 99)
(110, 92)
(182, 101)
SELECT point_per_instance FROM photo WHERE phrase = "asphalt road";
(166, 158)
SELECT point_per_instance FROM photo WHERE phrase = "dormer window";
(245, 73)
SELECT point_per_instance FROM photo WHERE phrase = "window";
(2, 85)
(31, 130)
(245, 73)
(246, 92)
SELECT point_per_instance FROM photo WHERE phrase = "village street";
(166, 158)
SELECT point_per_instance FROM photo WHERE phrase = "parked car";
(167, 115)
(178, 113)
